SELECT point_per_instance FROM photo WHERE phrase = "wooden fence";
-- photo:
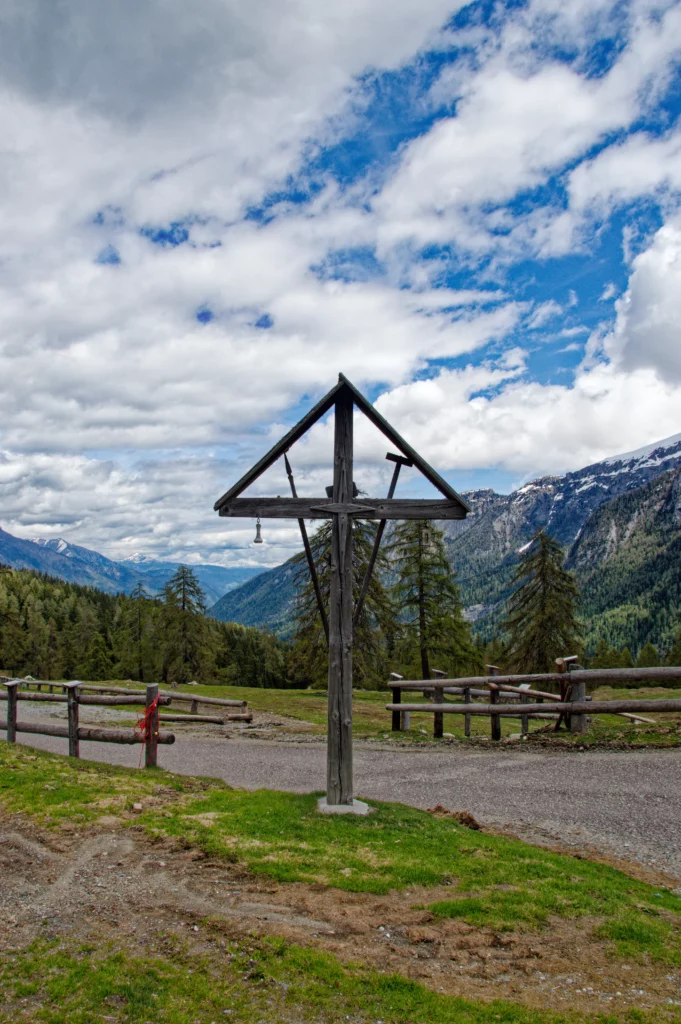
(512, 696)
(242, 715)
(73, 697)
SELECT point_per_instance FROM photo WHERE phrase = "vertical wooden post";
(151, 742)
(578, 723)
(72, 693)
(12, 690)
(438, 717)
(339, 748)
(524, 720)
(193, 707)
(495, 720)
(467, 718)
(397, 718)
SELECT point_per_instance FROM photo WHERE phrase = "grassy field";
(494, 882)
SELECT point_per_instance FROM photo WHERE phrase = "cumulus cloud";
(169, 302)
(648, 326)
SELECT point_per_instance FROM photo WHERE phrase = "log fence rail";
(510, 696)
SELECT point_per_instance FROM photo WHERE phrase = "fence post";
(467, 718)
(438, 717)
(524, 720)
(12, 688)
(397, 699)
(578, 723)
(151, 741)
(193, 707)
(492, 670)
(72, 693)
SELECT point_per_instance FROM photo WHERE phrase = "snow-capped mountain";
(484, 547)
(58, 557)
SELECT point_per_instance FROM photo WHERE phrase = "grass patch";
(255, 981)
(495, 881)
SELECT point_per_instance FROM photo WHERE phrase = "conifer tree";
(374, 630)
(184, 625)
(648, 657)
(674, 653)
(542, 621)
(427, 596)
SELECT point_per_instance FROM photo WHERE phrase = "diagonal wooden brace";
(399, 461)
(308, 554)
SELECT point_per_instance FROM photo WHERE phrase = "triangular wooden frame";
(315, 414)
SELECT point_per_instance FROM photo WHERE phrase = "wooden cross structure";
(340, 505)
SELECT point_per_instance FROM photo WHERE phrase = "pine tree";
(674, 653)
(648, 657)
(373, 632)
(542, 622)
(97, 662)
(184, 625)
(427, 596)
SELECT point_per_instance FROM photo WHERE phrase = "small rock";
(137, 808)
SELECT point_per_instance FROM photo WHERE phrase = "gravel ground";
(624, 803)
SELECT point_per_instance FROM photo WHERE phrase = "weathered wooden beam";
(11, 696)
(294, 434)
(589, 675)
(72, 714)
(152, 730)
(308, 554)
(339, 788)
(191, 719)
(93, 734)
(319, 508)
(595, 707)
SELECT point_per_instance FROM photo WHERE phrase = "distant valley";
(76, 564)
(619, 522)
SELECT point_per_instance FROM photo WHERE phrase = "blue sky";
(472, 210)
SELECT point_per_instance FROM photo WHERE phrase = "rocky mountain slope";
(484, 548)
(628, 563)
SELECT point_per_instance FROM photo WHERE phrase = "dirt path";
(623, 803)
(119, 886)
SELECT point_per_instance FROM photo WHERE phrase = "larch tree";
(184, 625)
(542, 619)
(426, 594)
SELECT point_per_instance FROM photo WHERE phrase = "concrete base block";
(356, 807)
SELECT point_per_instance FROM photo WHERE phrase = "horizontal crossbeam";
(321, 508)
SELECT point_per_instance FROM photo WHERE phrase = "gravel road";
(624, 803)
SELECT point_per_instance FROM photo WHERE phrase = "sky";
(208, 210)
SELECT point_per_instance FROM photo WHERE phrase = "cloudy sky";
(209, 209)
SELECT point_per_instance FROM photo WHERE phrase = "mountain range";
(76, 564)
(617, 519)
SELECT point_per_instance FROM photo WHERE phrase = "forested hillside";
(56, 630)
(628, 564)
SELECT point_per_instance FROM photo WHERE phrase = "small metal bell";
(258, 538)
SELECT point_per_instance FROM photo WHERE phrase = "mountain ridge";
(76, 564)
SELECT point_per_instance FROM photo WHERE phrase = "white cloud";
(518, 120)
(648, 328)
(155, 112)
